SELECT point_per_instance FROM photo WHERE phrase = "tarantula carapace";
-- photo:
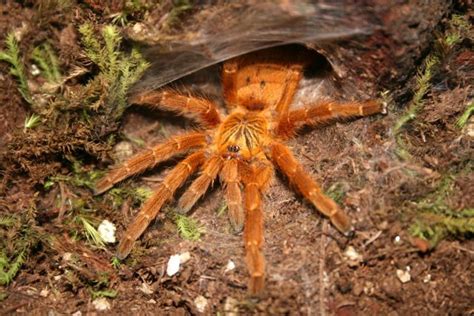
(241, 148)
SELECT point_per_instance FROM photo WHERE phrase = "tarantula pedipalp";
(240, 148)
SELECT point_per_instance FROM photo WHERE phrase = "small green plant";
(47, 60)
(16, 241)
(336, 192)
(118, 70)
(462, 120)
(12, 56)
(31, 122)
(9, 267)
(457, 26)
(188, 228)
(423, 79)
(115, 262)
(103, 293)
(142, 193)
(91, 233)
(7, 221)
(436, 220)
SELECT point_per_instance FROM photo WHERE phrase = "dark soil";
(308, 271)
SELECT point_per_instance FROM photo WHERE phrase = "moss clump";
(436, 219)
(17, 239)
(188, 228)
(12, 56)
(117, 70)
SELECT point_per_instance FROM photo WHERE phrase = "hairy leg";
(325, 111)
(255, 181)
(293, 77)
(150, 158)
(205, 111)
(286, 162)
(233, 195)
(229, 82)
(152, 206)
(208, 174)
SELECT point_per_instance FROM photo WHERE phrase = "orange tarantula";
(241, 148)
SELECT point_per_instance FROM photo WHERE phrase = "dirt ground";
(311, 268)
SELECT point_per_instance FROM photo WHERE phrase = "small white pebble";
(397, 240)
(230, 266)
(427, 278)
(44, 292)
(173, 265)
(184, 257)
(107, 231)
(175, 262)
(201, 303)
(57, 277)
(34, 70)
(151, 301)
(78, 313)
(354, 258)
(101, 304)
(404, 276)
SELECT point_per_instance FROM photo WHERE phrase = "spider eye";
(233, 148)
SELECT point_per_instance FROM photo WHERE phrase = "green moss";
(118, 70)
(90, 232)
(12, 56)
(79, 177)
(103, 293)
(9, 266)
(17, 238)
(462, 120)
(47, 60)
(31, 122)
(336, 192)
(115, 262)
(188, 228)
(435, 219)
(457, 26)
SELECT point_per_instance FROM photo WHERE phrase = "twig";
(62, 207)
(372, 239)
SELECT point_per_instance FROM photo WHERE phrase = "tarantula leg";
(293, 77)
(286, 162)
(150, 158)
(253, 235)
(152, 206)
(255, 182)
(325, 111)
(209, 173)
(233, 195)
(205, 111)
(229, 82)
